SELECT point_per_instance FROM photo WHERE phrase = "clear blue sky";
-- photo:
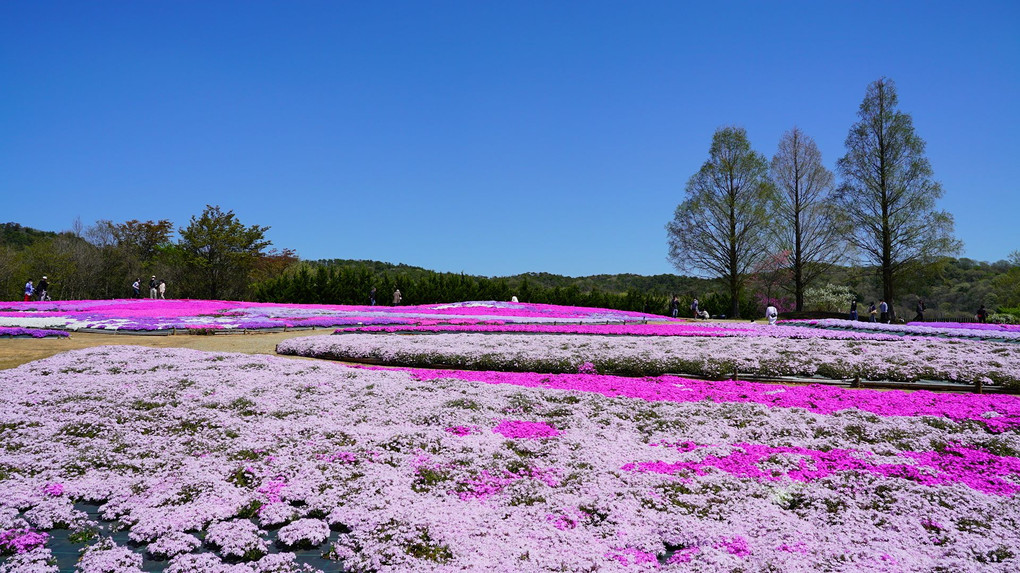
(486, 137)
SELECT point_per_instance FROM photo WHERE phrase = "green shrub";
(828, 298)
(1003, 318)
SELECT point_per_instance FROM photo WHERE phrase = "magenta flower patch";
(978, 470)
(53, 489)
(524, 429)
(21, 540)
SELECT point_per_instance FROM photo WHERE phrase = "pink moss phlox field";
(945, 329)
(906, 359)
(149, 314)
(676, 329)
(525, 429)
(978, 470)
(998, 413)
(176, 446)
(6, 331)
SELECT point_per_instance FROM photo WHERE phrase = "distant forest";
(103, 260)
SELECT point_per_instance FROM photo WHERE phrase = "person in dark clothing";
(873, 312)
(920, 311)
(883, 309)
(674, 307)
(982, 314)
(853, 309)
(44, 287)
(371, 296)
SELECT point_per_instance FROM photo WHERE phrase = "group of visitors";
(157, 289)
(397, 297)
(878, 313)
(882, 314)
(42, 291)
(674, 308)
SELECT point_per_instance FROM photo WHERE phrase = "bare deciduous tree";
(887, 199)
(720, 226)
(804, 210)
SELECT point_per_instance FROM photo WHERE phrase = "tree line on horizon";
(744, 215)
(216, 256)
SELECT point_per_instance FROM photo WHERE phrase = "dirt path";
(17, 351)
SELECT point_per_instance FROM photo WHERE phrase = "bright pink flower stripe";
(148, 314)
(956, 464)
(33, 332)
(139, 308)
(998, 412)
(525, 429)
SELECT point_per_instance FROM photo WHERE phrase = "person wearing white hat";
(43, 290)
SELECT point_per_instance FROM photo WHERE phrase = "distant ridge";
(14, 235)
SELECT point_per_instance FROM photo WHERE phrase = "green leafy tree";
(720, 227)
(142, 238)
(829, 298)
(129, 250)
(887, 199)
(1007, 285)
(220, 253)
(804, 210)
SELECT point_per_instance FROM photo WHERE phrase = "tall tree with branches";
(804, 210)
(887, 198)
(221, 252)
(720, 226)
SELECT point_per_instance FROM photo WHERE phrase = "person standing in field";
(873, 312)
(29, 290)
(982, 314)
(371, 297)
(396, 297)
(137, 288)
(920, 311)
(883, 309)
(853, 309)
(153, 287)
(162, 290)
(674, 307)
(772, 314)
(44, 287)
(694, 308)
